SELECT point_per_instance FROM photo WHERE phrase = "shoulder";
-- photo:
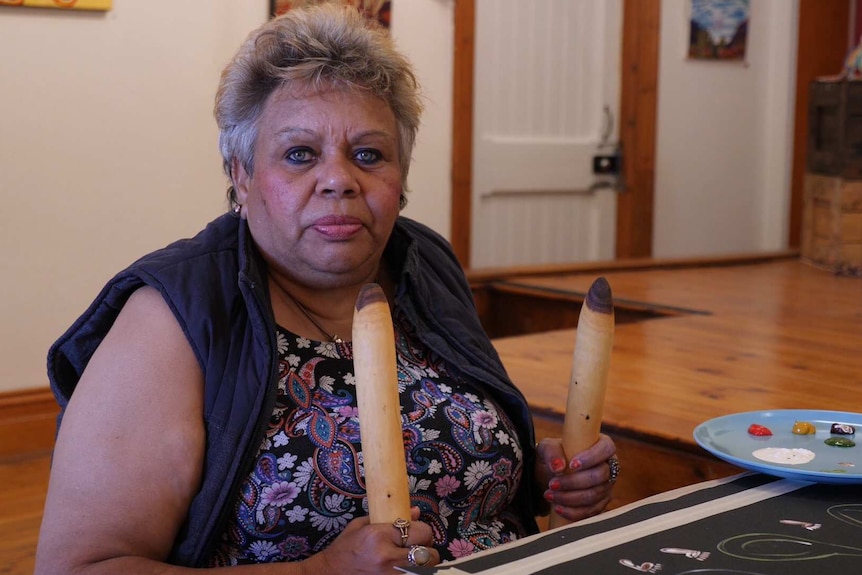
(418, 241)
(409, 229)
(146, 334)
(219, 240)
(427, 259)
(198, 277)
(193, 277)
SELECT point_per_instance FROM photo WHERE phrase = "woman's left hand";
(580, 487)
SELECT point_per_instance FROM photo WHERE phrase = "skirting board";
(28, 420)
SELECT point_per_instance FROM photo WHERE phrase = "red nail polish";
(549, 496)
(554, 484)
(557, 464)
(558, 509)
(575, 464)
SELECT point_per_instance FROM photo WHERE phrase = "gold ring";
(402, 525)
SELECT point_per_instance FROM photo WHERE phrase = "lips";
(337, 227)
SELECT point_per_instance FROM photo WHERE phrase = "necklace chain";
(333, 337)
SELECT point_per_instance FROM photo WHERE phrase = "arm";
(129, 456)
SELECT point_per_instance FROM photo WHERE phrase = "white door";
(547, 76)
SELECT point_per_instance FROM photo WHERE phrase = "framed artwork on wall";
(64, 4)
(718, 29)
(379, 10)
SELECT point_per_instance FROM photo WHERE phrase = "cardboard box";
(832, 224)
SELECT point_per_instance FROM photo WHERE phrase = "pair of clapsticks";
(380, 411)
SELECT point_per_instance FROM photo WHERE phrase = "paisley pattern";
(463, 457)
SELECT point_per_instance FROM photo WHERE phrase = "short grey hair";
(315, 47)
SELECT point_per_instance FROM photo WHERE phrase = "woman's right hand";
(129, 456)
(373, 549)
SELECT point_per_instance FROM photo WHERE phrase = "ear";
(241, 181)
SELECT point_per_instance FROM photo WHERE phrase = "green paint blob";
(840, 442)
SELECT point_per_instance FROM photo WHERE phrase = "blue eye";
(299, 155)
(368, 156)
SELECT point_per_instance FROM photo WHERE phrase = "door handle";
(608, 130)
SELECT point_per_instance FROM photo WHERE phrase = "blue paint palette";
(727, 438)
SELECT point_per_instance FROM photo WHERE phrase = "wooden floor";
(24, 481)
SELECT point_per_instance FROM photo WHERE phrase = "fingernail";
(554, 484)
(557, 464)
(558, 509)
(575, 464)
(549, 496)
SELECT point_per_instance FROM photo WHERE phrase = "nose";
(337, 177)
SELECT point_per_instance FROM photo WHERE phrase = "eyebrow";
(292, 131)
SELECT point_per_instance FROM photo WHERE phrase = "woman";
(213, 421)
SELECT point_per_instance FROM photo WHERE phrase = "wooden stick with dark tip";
(379, 408)
(590, 363)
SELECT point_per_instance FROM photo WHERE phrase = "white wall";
(424, 30)
(724, 138)
(108, 146)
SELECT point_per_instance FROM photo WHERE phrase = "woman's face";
(326, 186)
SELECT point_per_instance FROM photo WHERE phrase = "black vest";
(215, 284)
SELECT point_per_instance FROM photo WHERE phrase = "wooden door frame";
(462, 129)
(638, 103)
(824, 26)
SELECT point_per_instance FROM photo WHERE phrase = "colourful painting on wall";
(718, 29)
(64, 4)
(379, 10)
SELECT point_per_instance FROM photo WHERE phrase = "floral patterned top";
(464, 461)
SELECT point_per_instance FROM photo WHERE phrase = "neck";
(324, 314)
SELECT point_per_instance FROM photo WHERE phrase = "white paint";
(784, 455)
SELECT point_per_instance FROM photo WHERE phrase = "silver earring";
(237, 208)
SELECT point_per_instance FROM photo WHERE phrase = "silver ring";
(614, 466)
(418, 556)
(402, 525)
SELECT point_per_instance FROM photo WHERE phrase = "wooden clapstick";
(379, 408)
(590, 363)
